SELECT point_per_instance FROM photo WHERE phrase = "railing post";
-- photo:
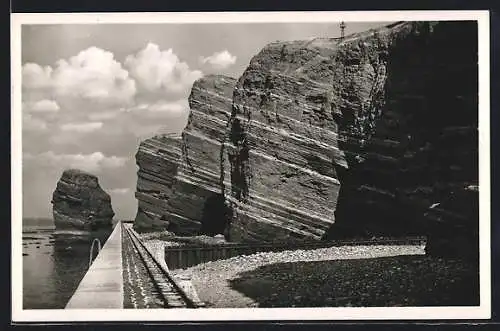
(92, 249)
(179, 259)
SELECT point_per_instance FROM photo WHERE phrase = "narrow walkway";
(102, 286)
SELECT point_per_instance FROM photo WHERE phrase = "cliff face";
(413, 148)
(179, 184)
(284, 144)
(372, 135)
(79, 203)
(391, 115)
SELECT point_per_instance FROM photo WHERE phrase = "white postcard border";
(211, 314)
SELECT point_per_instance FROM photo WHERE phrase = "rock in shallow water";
(79, 203)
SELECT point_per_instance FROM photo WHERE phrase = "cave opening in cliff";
(215, 215)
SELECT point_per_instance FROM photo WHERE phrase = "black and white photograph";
(256, 166)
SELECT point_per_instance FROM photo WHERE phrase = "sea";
(54, 262)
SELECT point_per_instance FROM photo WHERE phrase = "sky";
(92, 92)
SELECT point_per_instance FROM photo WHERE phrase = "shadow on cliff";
(412, 280)
(414, 151)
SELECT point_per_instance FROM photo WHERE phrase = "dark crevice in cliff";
(223, 212)
(239, 161)
(185, 152)
(266, 95)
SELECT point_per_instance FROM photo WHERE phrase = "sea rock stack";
(79, 203)
(374, 134)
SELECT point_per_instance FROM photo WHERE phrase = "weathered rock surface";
(79, 203)
(283, 144)
(179, 184)
(413, 147)
(372, 135)
(390, 114)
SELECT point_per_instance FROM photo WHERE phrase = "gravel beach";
(336, 276)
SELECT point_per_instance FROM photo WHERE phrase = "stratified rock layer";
(180, 187)
(389, 114)
(79, 203)
(375, 134)
(284, 144)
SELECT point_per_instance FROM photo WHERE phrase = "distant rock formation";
(372, 135)
(79, 203)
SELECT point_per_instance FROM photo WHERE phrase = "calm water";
(53, 263)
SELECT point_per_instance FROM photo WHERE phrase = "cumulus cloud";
(219, 60)
(90, 111)
(162, 108)
(104, 115)
(90, 162)
(35, 76)
(92, 74)
(156, 70)
(119, 191)
(42, 106)
(31, 123)
(177, 107)
(82, 127)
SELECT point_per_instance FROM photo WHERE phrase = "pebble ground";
(359, 276)
(335, 276)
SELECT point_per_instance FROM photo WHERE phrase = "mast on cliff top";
(342, 30)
